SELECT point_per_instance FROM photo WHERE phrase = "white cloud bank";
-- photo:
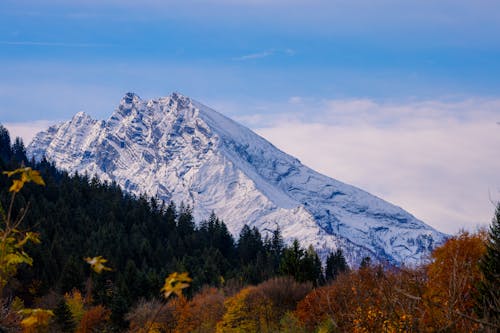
(27, 130)
(438, 160)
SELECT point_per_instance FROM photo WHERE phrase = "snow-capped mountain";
(175, 148)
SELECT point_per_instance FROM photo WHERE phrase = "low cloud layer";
(438, 160)
(27, 130)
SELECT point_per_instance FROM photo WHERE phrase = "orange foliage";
(155, 315)
(172, 313)
(438, 297)
(362, 301)
(202, 313)
(94, 319)
(284, 293)
(261, 308)
(142, 313)
(452, 277)
(315, 307)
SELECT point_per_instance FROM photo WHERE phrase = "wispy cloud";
(265, 54)
(295, 100)
(253, 56)
(54, 44)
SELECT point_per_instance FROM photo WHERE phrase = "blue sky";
(379, 67)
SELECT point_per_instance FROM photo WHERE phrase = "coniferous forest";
(255, 283)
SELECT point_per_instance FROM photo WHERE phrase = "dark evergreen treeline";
(79, 216)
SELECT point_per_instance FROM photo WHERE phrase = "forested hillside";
(251, 284)
(78, 216)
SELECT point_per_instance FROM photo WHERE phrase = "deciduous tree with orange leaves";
(453, 276)
(201, 314)
(368, 300)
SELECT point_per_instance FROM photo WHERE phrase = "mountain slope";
(177, 149)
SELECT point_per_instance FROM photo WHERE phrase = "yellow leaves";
(241, 315)
(16, 258)
(12, 173)
(27, 175)
(17, 185)
(12, 240)
(174, 283)
(36, 318)
(29, 236)
(152, 327)
(97, 264)
(12, 254)
(75, 303)
(17, 304)
(33, 176)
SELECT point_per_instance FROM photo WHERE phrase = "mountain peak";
(181, 100)
(177, 95)
(129, 98)
(174, 148)
(81, 119)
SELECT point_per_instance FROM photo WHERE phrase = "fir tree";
(275, 247)
(311, 267)
(119, 308)
(63, 317)
(5, 149)
(302, 265)
(489, 288)
(291, 259)
(250, 244)
(277, 241)
(19, 150)
(335, 264)
(365, 263)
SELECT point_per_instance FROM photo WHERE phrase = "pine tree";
(303, 265)
(489, 288)
(250, 244)
(365, 263)
(291, 260)
(119, 308)
(185, 221)
(63, 317)
(19, 150)
(5, 149)
(311, 269)
(277, 243)
(71, 275)
(335, 264)
(275, 247)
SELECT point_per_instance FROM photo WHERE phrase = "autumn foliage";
(202, 312)
(451, 289)
(361, 301)
(94, 319)
(455, 291)
(439, 296)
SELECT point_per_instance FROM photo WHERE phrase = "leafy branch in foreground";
(174, 283)
(12, 240)
(97, 264)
